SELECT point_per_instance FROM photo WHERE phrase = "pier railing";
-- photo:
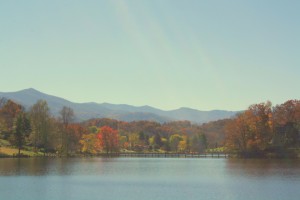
(166, 155)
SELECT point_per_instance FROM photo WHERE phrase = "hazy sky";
(164, 53)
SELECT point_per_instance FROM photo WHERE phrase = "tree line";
(260, 130)
(37, 130)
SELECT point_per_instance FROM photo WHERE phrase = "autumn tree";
(237, 132)
(3, 128)
(165, 144)
(214, 131)
(108, 139)
(123, 142)
(251, 131)
(88, 142)
(286, 124)
(134, 141)
(182, 146)
(73, 135)
(261, 126)
(9, 110)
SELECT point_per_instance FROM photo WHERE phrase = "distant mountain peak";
(30, 90)
(186, 108)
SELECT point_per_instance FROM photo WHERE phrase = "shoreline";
(292, 156)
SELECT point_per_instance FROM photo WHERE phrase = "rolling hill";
(85, 111)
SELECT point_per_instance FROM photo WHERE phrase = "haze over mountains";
(85, 111)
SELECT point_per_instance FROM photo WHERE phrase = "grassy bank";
(11, 152)
(6, 150)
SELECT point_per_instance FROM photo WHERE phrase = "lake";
(148, 179)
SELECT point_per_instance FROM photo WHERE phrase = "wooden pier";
(167, 155)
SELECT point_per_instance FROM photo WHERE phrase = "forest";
(261, 130)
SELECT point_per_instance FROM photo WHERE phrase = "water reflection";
(148, 178)
(172, 167)
(263, 168)
(34, 167)
(53, 166)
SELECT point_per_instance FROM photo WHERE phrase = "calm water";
(148, 179)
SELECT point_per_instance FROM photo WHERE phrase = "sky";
(168, 54)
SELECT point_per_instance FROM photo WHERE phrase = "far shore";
(292, 154)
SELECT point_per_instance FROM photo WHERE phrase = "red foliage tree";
(108, 139)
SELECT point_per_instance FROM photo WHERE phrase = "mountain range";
(85, 111)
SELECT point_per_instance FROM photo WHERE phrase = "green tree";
(67, 117)
(199, 143)
(93, 129)
(165, 144)
(21, 131)
(174, 141)
(141, 136)
(157, 141)
(41, 125)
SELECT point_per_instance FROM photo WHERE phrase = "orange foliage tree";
(286, 124)
(251, 131)
(8, 113)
